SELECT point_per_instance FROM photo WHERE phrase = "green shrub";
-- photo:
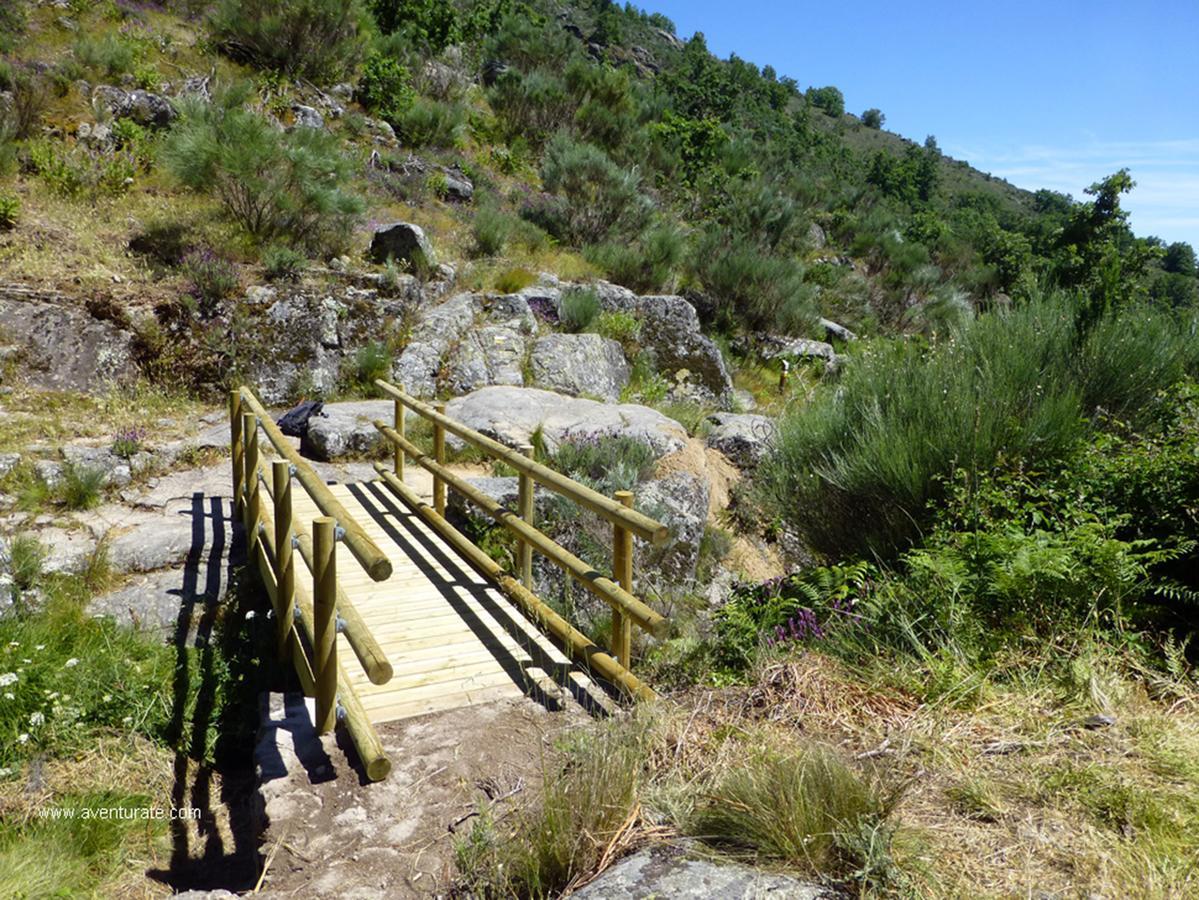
(80, 174)
(616, 325)
(531, 106)
(431, 123)
(276, 185)
(10, 211)
(317, 39)
(579, 308)
(491, 229)
(283, 264)
(20, 117)
(111, 55)
(513, 280)
(753, 288)
(648, 263)
(806, 807)
(212, 279)
(371, 362)
(597, 199)
(872, 453)
(385, 87)
(81, 487)
(608, 463)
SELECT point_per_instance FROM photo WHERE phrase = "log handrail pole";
(576, 643)
(236, 449)
(622, 569)
(285, 567)
(358, 635)
(439, 455)
(526, 509)
(639, 523)
(399, 427)
(324, 626)
(357, 541)
(600, 585)
(357, 722)
(249, 430)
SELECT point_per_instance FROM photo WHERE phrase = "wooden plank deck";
(453, 639)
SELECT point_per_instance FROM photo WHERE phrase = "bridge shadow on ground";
(217, 679)
(453, 577)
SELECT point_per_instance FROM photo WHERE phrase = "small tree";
(873, 118)
(829, 99)
(317, 39)
(276, 185)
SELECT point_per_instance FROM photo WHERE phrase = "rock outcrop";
(512, 414)
(742, 437)
(670, 330)
(346, 429)
(580, 364)
(61, 346)
(146, 109)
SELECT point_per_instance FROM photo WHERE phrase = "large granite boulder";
(61, 346)
(512, 414)
(670, 330)
(404, 243)
(580, 364)
(345, 429)
(742, 437)
(667, 871)
(678, 500)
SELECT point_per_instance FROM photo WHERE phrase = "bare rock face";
(146, 109)
(664, 871)
(580, 364)
(670, 330)
(61, 346)
(512, 414)
(346, 429)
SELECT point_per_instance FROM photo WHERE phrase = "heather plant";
(128, 442)
(579, 307)
(211, 277)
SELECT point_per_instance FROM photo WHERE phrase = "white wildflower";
(8, 678)
(106, 699)
(27, 661)
(128, 720)
(72, 662)
(4, 773)
(53, 695)
(22, 739)
(9, 695)
(37, 718)
(40, 647)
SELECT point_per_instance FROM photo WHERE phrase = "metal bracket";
(341, 710)
(339, 533)
(296, 614)
(295, 542)
(339, 624)
(291, 469)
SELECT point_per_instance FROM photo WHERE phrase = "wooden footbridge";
(415, 618)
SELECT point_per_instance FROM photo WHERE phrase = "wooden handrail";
(357, 541)
(374, 661)
(576, 643)
(638, 523)
(604, 588)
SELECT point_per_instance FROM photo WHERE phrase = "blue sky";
(1051, 94)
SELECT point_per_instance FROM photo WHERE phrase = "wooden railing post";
(236, 448)
(249, 430)
(399, 427)
(622, 570)
(439, 455)
(525, 502)
(285, 570)
(324, 613)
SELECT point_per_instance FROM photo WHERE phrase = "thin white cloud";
(1165, 201)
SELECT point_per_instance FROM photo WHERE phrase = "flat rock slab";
(511, 415)
(345, 429)
(345, 838)
(667, 872)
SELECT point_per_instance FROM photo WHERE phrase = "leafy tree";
(385, 87)
(829, 99)
(873, 118)
(1180, 258)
